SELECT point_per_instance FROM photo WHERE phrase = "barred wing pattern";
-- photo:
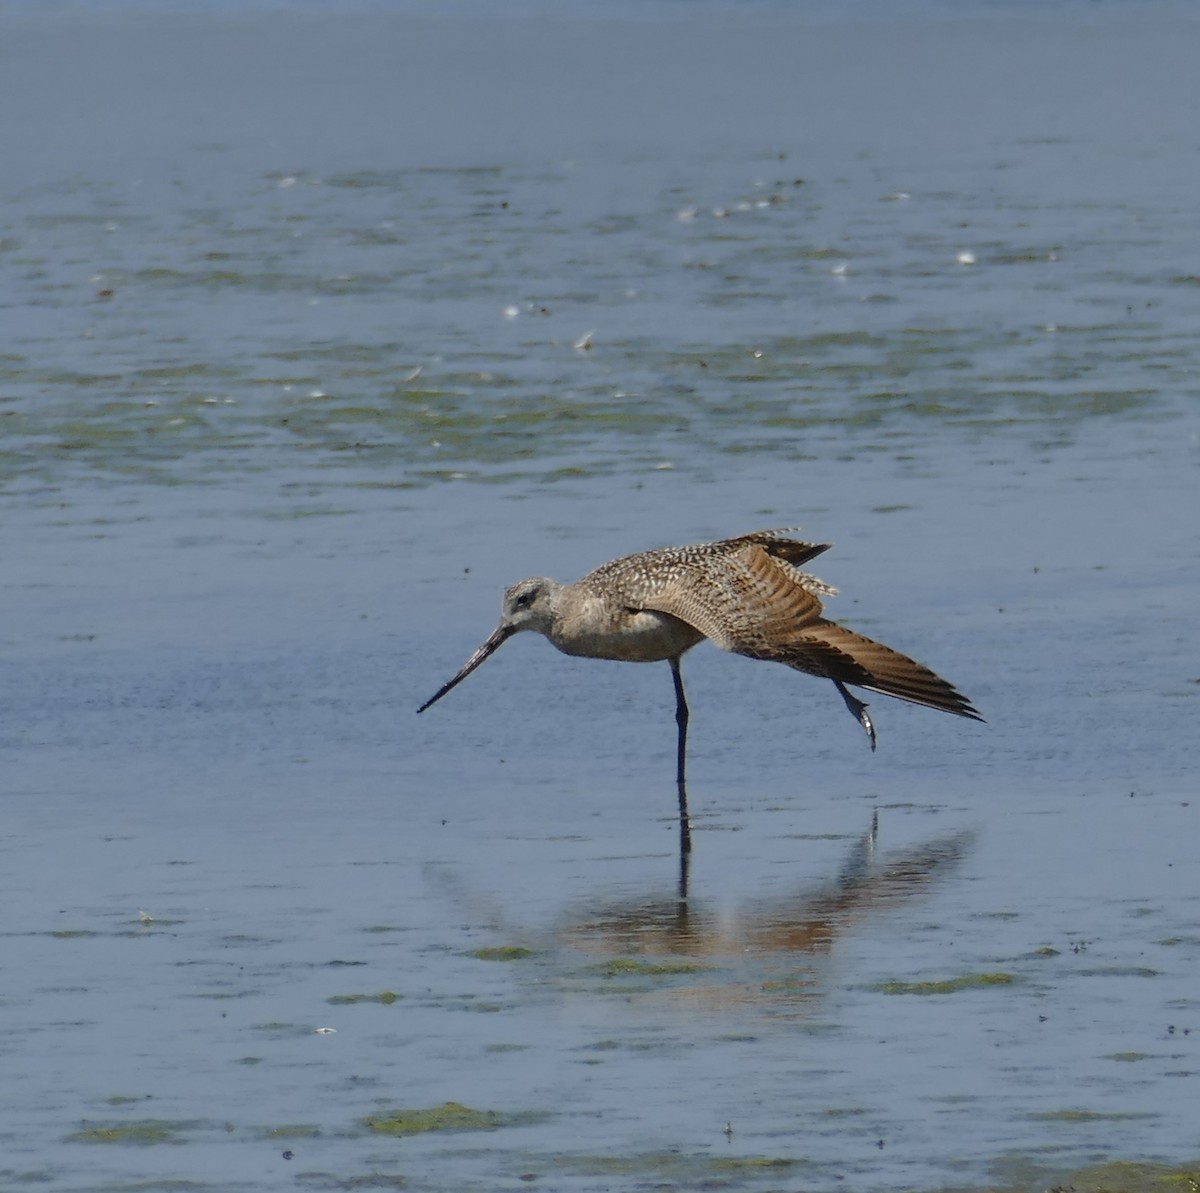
(749, 596)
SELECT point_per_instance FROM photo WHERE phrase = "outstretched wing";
(751, 598)
(834, 652)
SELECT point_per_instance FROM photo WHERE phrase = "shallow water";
(294, 382)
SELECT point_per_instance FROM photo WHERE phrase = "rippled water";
(321, 330)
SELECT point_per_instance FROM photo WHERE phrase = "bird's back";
(723, 565)
(750, 596)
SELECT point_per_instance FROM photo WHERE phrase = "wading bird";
(747, 594)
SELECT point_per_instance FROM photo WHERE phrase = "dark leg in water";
(685, 865)
(681, 719)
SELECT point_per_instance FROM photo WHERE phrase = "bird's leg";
(681, 911)
(858, 710)
(681, 719)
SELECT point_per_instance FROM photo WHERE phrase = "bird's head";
(529, 605)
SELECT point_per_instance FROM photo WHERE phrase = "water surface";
(295, 380)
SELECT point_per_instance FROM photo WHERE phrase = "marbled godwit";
(747, 594)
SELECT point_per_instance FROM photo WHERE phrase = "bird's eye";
(523, 601)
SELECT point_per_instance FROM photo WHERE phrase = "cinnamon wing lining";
(753, 601)
(833, 652)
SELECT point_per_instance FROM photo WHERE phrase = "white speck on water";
(965, 257)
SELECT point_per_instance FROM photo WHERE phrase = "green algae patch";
(966, 981)
(1131, 1177)
(751, 1164)
(805, 986)
(673, 1169)
(1092, 1116)
(292, 1131)
(146, 1132)
(326, 1180)
(450, 1116)
(621, 967)
(503, 953)
(384, 997)
(1114, 1176)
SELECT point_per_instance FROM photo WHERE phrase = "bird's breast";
(628, 635)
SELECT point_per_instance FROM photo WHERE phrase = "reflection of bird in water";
(806, 923)
(747, 594)
(770, 949)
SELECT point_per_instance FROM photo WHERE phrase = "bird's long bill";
(489, 648)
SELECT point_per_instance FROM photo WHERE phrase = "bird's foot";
(858, 710)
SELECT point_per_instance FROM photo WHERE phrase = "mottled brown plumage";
(747, 594)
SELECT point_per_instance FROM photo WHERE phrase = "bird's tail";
(834, 652)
